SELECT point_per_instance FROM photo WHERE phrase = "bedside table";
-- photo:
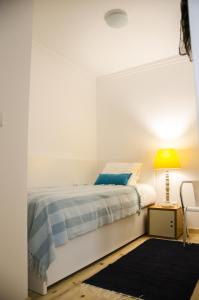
(165, 221)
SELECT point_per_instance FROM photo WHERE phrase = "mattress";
(59, 214)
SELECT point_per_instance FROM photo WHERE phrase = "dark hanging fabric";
(185, 39)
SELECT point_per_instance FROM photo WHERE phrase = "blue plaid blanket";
(59, 214)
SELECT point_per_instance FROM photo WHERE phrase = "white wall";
(62, 123)
(146, 108)
(194, 30)
(15, 49)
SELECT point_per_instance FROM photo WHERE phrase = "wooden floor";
(73, 289)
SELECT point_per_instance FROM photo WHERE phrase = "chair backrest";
(195, 184)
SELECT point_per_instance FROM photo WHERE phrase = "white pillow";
(147, 194)
(118, 168)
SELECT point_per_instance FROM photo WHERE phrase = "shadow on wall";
(45, 171)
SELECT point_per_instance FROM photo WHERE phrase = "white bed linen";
(147, 193)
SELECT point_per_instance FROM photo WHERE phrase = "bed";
(72, 226)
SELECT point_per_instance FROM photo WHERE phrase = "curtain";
(185, 39)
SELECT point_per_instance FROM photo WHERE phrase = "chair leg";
(188, 239)
(185, 229)
(187, 232)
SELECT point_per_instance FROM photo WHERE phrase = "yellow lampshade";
(166, 159)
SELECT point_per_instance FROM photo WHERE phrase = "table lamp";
(166, 159)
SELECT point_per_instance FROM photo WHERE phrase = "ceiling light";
(116, 18)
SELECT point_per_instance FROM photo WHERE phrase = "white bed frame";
(86, 249)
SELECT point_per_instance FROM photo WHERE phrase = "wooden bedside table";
(165, 221)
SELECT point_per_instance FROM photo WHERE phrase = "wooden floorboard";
(195, 295)
(72, 289)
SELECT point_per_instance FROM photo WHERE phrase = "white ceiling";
(77, 30)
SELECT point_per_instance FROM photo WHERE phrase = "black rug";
(156, 270)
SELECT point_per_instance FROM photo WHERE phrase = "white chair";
(186, 208)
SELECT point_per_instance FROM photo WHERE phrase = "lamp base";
(168, 204)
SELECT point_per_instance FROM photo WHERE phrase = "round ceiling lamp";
(116, 18)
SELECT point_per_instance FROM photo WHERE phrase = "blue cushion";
(118, 179)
